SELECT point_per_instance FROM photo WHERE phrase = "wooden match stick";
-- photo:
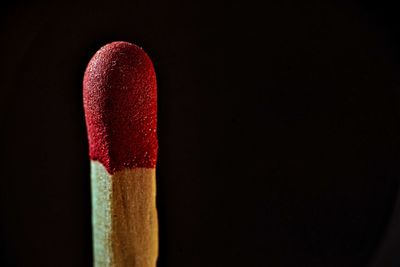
(120, 102)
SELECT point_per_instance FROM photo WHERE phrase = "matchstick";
(120, 102)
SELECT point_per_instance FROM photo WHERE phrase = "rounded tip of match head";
(120, 102)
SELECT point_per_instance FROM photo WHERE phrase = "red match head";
(120, 102)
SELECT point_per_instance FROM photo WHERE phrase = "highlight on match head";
(120, 102)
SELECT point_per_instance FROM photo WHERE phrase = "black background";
(278, 128)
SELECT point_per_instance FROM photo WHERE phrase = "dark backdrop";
(278, 126)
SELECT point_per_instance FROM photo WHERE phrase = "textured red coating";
(120, 102)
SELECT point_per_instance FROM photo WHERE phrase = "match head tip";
(120, 102)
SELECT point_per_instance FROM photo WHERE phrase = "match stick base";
(124, 217)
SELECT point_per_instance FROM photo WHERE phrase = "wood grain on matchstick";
(124, 217)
